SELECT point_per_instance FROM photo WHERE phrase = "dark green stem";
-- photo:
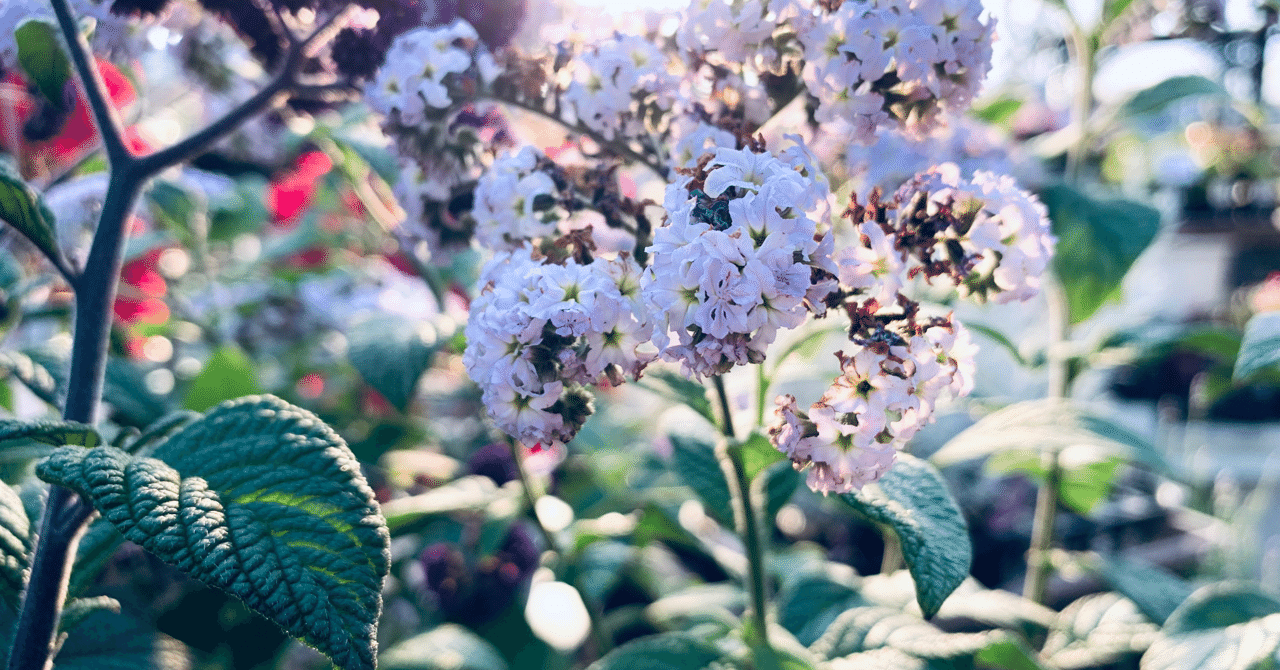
(744, 507)
(65, 515)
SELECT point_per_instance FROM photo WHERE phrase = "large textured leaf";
(1044, 424)
(24, 209)
(1225, 625)
(863, 629)
(1098, 630)
(1260, 347)
(446, 647)
(1098, 241)
(260, 499)
(668, 651)
(913, 500)
(42, 59)
(391, 353)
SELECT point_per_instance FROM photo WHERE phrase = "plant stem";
(66, 515)
(1046, 513)
(744, 508)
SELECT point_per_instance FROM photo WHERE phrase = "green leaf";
(228, 374)
(1221, 605)
(1152, 101)
(1098, 630)
(1047, 424)
(758, 454)
(601, 566)
(391, 353)
(998, 111)
(1156, 591)
(866, 628)
(1009, 654)
(778, 483)
(808, 606)
(1098, 241)
(1085, 482)
(55, 433)
(701, 603)
(42, 58)
(262, 500)
(109, 641)
(684, 391)
(1000, 339)
(132, 403)
(912, 498)
(1111, 10)
(445, 647)
(23, 208)
(1260, 347)
(883, 658)
(77, 610)
(1252, 645)
(667, 651)
(15, 546)
(693, 457)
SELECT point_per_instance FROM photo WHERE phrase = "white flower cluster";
(514, 201)
(737, 30)
(736, 262)
(412, 80)
(889, 63)
(540, 331)
(886, 392)
(609, 78)
(1004, 228)
(692, 137)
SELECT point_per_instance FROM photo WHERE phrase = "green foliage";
(260, 499)
(54, 433)
(998, 111)
(675, 387)
(693, 457)
(43, 60)
(668, 651)
(109, 641)
(1220, 626)
(228, 374)
(15, 546)
(777, 483)
(1098, 241)
(1260, 348)
(445, 647)
(1082, 486)
(758, 454)
(808, 606)
(1036, 425)
(1156, 591)
(1098, 630)
(913, 500)
(23, 208)
(1151, 101)
(391, 353)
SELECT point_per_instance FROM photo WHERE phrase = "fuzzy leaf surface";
(262, 500)
(912, 498)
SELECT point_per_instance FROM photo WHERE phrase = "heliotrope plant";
(668, 231)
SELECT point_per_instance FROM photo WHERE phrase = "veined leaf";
(912, 498)
(109, 641)
(1097, 630)
(15, 546)
(23, 208)
(55, 433)
(260, 499)
(809, 606)
(1260, 347)
(1224, 625)
(1156, 591)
